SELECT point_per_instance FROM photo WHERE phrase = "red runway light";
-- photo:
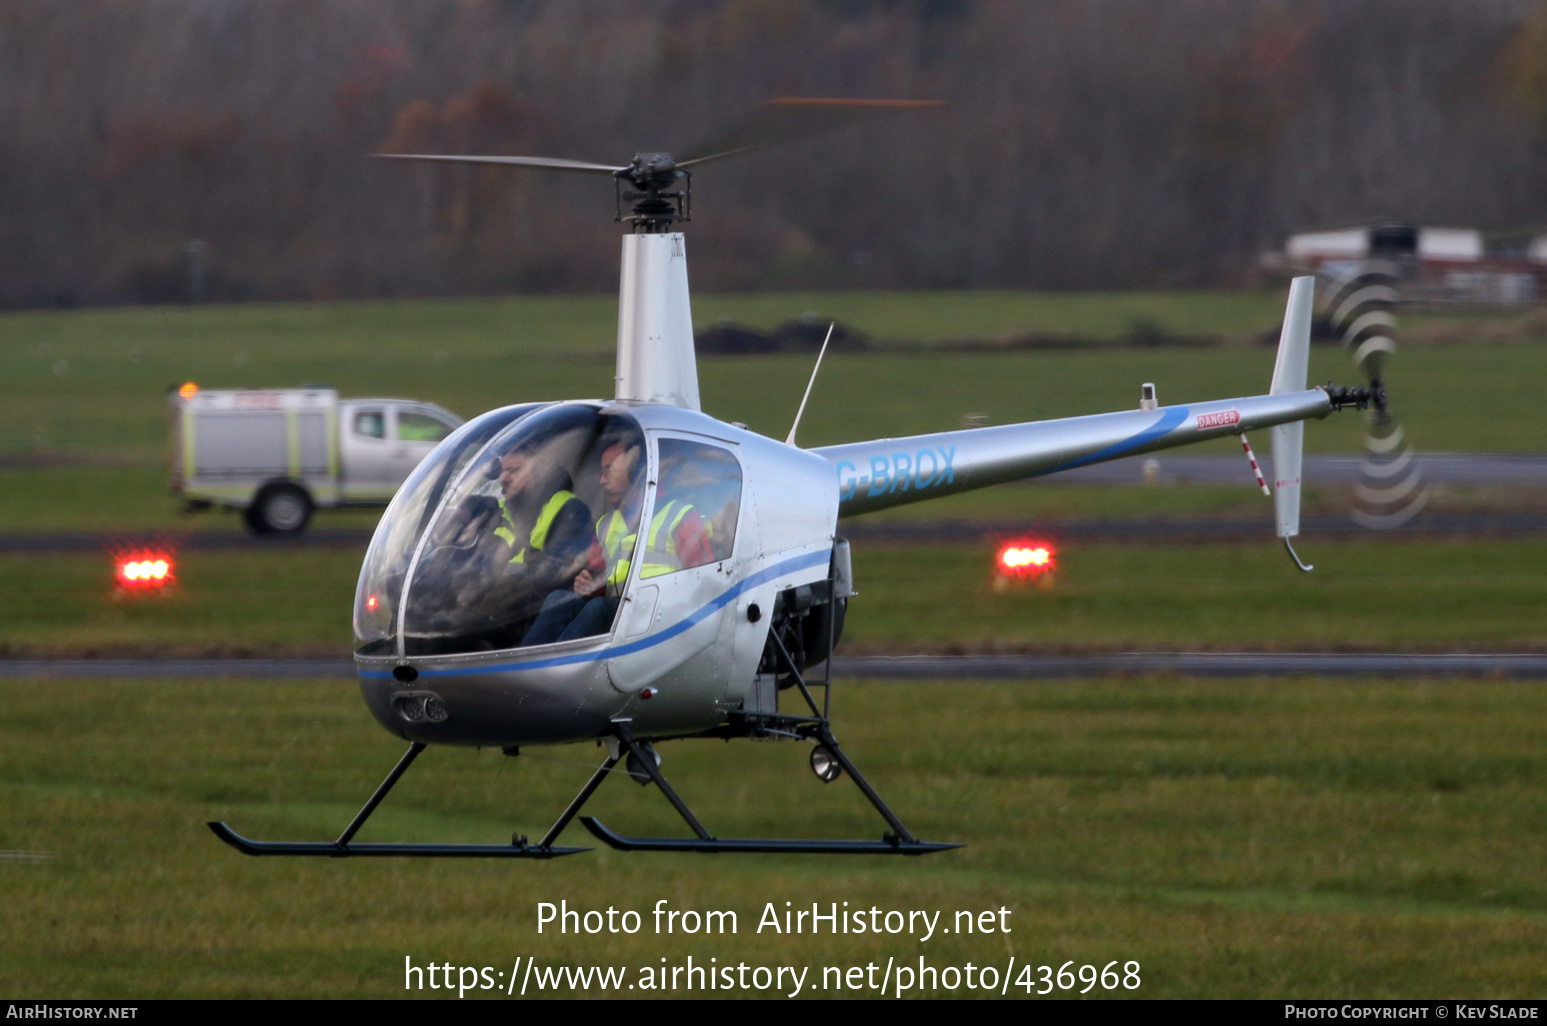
(1020, 558)
(143, 571)
(1023, 562)
(1025, 558)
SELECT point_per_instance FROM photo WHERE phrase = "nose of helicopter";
(491, 701)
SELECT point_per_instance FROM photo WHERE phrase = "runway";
(1196, 530)
(1351, 665)
(1117, 531)
(1523, 470)
(1527, 666)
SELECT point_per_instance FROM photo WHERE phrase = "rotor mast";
(656, 358)
(657, 362)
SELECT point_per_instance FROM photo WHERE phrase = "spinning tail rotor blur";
(1362, 311)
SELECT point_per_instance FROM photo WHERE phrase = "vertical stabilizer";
(1294, 352)
(656, 362)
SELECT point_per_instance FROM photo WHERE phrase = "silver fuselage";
(690, 641)
(679, 652)
(689, 638)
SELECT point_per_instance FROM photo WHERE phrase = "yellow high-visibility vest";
(539, 536)
(618, 543)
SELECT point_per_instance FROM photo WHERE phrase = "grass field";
(83, 429)
(1422, 595)
(117, 500)
(1237, 839)
(92, 383)
(111, 501)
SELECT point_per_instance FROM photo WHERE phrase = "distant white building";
(1442, 266)
(1458, 244)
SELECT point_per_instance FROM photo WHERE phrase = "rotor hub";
(657, 205)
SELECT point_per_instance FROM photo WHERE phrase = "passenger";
(679, 535)
(589, 604)
(678, 538)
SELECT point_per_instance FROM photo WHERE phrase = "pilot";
(541, 519)
(533, 537)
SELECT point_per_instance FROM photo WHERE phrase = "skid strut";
(896, 841)
(518, 848)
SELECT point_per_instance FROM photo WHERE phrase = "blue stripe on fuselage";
(687, 622)
(1172, 417)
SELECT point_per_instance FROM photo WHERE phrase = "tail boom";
(894, 471)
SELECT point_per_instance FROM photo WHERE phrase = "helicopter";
(715, 580)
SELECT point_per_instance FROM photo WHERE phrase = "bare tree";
(1088, 143)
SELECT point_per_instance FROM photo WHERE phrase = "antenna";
(791, 440)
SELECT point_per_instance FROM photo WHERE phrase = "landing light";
(825, 764)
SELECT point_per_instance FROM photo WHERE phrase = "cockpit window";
(397, 535)
(697, 504)
(515, 555)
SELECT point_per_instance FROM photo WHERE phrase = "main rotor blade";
(789, 118)
(552, 163)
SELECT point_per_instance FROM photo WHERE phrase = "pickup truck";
(278, 454)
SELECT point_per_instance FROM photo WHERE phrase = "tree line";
(1085, 143)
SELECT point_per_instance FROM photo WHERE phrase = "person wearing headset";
(589, 604)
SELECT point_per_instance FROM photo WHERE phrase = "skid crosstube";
(712, 845)
(357, 850)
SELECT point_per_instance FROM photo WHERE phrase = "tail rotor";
(1362, 312)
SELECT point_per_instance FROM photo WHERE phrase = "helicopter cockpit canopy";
(402, 526)
(521, 529)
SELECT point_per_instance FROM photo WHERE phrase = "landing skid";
(514, 850)
(892, 845)
(896, 841)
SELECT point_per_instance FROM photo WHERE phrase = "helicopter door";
(685, 569)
